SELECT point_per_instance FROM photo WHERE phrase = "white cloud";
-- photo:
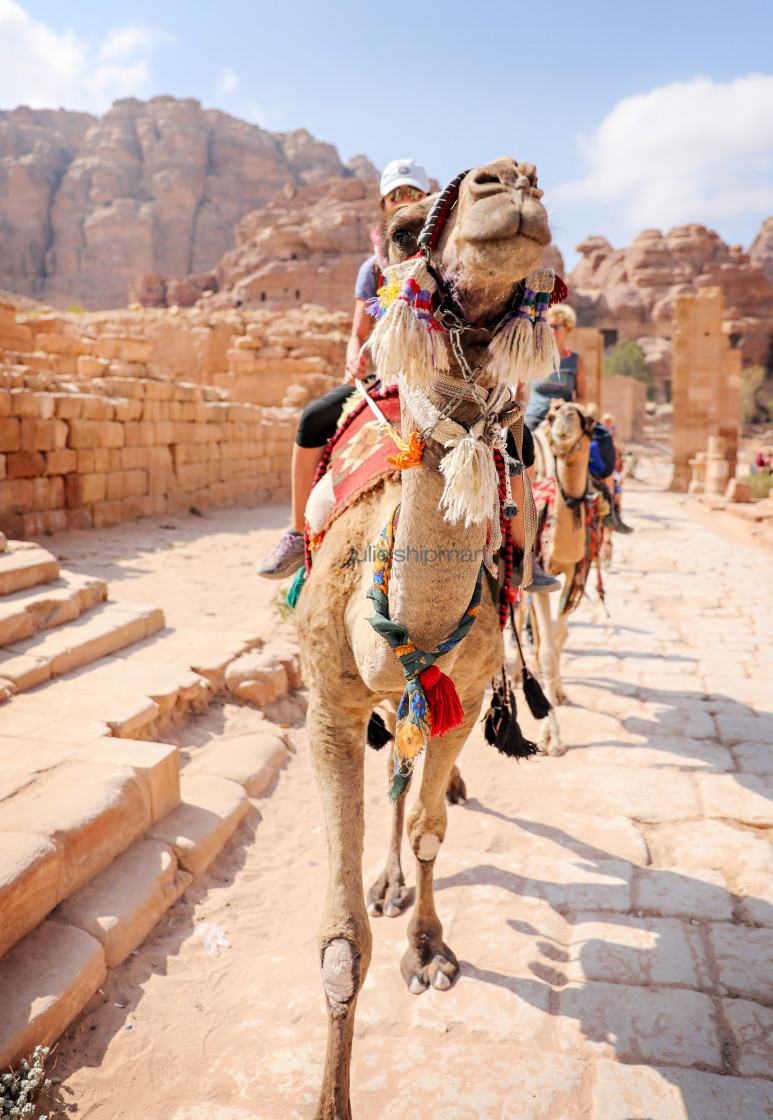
(697, 151)
(228, 80)
(45, 68)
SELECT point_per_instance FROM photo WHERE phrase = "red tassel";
(560, 291)
(443, 700)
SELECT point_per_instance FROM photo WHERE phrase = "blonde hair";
(562, 315)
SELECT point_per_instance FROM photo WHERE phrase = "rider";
(403, 181)
(568, 383)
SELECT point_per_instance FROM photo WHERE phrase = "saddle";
(355, 462)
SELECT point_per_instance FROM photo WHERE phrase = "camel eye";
(403, 238)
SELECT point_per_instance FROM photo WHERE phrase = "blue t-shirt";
(367, 279)
(560, 383)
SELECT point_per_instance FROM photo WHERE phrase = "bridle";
(572, 502)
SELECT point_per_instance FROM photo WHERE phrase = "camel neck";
(435, 564)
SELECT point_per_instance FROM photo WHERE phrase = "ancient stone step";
(24, 613)
(23, 564)
(46, 979)
(50, 653)
(121, 905)
(58, 833)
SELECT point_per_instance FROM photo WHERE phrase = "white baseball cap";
(403, 173)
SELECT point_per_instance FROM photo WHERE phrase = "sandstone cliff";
(628, 293)
(157, 187)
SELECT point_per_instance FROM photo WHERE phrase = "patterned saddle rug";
(354, 462)
(545, 501)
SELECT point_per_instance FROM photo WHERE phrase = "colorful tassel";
(560, 291)
(442, 700)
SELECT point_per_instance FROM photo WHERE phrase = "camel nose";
(494, 178)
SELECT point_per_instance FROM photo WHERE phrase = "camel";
(488, 243)
(562, 448)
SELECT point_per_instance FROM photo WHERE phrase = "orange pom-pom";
(410, 453)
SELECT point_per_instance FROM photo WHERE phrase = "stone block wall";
(136, 448)
(626, 399)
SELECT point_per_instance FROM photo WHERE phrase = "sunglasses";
(413, 194)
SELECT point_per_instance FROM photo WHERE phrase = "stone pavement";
(611, 909)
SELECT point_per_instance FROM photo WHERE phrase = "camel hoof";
(439, 971)
(457, 790)
(388, 896)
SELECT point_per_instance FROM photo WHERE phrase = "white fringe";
(471, 485)
(400, 342)
(471, 479)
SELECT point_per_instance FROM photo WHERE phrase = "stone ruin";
(631, 293)
(108, 417)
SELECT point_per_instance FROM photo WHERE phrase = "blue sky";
(636, 115)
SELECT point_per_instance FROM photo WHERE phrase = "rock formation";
(155, 188)
(629, 293)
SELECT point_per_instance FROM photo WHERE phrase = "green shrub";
(751, 407)
(75, 309)
(19, 1088)
(761, 483)
(627, 360)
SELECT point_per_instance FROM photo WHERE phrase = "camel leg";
(428, 960)
(337, 743)
(562, 633)
(389, 894)
(549, 740)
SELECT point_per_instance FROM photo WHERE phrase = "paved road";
(612, 909)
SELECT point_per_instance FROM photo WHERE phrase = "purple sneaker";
(286, 558)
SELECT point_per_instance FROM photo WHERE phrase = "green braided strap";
(414, 717)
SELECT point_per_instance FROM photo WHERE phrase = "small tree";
(753, 400)
(628, 360)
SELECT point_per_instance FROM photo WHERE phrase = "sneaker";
(614, 521)
(541, 582)
(286, 558)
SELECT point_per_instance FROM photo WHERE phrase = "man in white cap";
(403, 181)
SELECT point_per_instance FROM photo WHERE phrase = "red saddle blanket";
(355, 461)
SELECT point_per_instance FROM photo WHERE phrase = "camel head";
(571, 427)
(492, 238)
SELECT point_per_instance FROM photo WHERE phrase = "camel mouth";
(502, 216)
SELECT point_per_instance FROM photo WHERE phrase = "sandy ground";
(175, 1028)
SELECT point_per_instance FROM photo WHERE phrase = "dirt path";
(612, 909)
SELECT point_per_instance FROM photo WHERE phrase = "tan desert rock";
(149, 187)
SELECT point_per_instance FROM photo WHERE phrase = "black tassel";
(378, 733)
(500, 724)
(539, 705)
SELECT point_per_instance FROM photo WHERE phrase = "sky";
(637, 116)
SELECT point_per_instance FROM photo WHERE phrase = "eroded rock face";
(150, 188)
(305, 246)
(630, 291)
